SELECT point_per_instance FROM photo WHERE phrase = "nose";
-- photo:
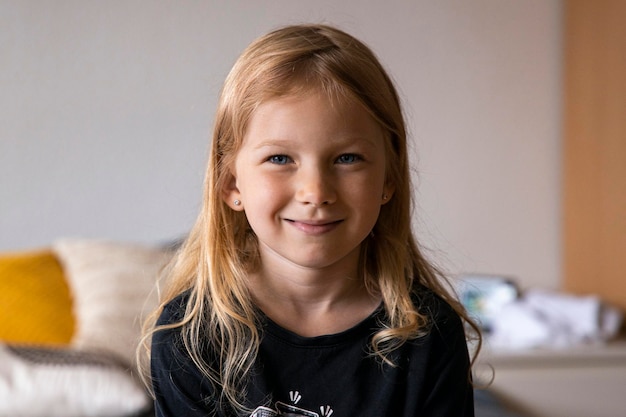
(315, 186)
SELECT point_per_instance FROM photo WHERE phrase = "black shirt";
(329, 375)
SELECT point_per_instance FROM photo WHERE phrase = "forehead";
(315, 114)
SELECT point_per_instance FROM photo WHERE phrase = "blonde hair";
(213, 263)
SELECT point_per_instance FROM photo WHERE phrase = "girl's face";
(310, 177)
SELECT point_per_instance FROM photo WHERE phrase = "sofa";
(70, 324)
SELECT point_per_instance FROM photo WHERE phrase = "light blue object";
(484, 295)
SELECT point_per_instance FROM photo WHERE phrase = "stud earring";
(237, 202)
(385, 196)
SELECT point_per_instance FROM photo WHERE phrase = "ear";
(388, 191)
(231, 194)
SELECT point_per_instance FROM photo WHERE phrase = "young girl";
(301, 290)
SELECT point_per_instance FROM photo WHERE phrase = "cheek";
(368, 187)
(264, 187)
(261, 195)
(365, 199)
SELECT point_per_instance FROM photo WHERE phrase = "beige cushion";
(113, 286)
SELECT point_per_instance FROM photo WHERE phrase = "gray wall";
(106, 108)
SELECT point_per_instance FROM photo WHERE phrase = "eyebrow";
(272, 142)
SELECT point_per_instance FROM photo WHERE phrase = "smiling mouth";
(314, 228)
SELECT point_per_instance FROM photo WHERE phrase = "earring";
(385, 196)
(237, 202)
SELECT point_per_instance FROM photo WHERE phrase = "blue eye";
(348, 158)
(279, 159)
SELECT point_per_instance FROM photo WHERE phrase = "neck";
(312, 301)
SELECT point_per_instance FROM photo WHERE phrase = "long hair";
(214, 261)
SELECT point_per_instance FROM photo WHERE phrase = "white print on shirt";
(295, 397)
(287, 410)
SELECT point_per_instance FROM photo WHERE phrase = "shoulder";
(441, 356)
(433, 306)
(444, 325)
(174, 311)
(167, 340)
(180, 387)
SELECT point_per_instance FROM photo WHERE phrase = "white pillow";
(66, 383)
(113, 288)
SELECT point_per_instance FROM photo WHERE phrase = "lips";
(313, 227)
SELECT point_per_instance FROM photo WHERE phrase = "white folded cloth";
(550, 319)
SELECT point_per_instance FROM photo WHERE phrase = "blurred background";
(515, 114)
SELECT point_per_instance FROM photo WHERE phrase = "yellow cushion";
(35, 300)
